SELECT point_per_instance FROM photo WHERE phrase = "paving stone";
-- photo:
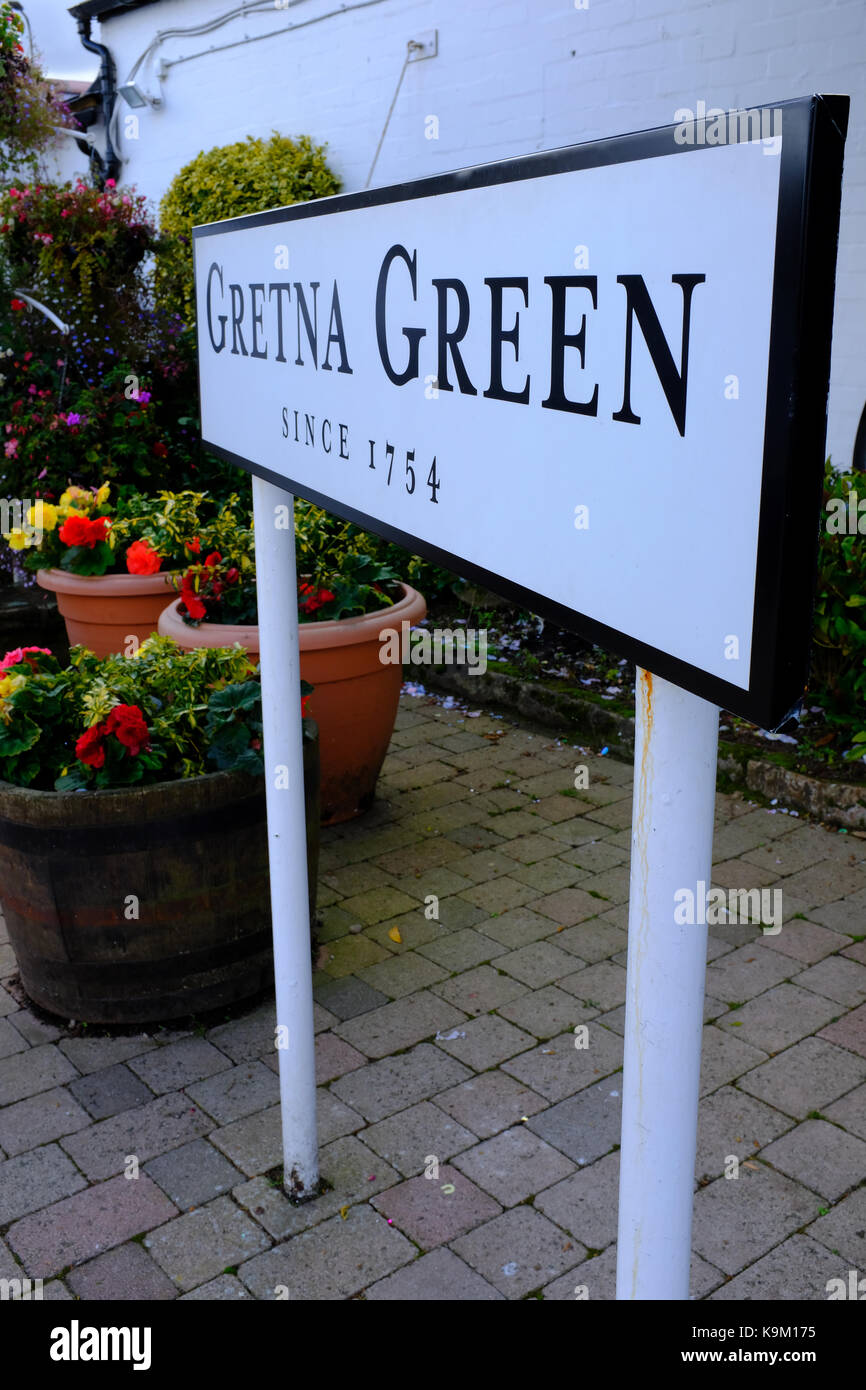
(485, 1042)
(35, 1030)
(38, 1069)
(175, 1066)
(577, 831)
(125, 1274)
(585, 1127)
(586, 1203)
(845, 916)
(34, 1179)
(843, 1230)
(226, 1289)
(7, 1004)
(799, 1268)
(547, 1012)
(738, 1220)
(356, 878)
(88, 1223)
(780, 1017)
(348, 998)
(402, 975)
(569, 906)
(11, 1040)
(478, 991)
(548, 875)
(616, 814)
(39, 1119)
(395, 1083)
(377, 903)
(731, 1123)
(487, 864)
(724, 1057)
(850, 1111)
(331, 1262)
(518, 1251)
(334, 1118)
(531, 849)
(820, 1156)
(255, 1143)
(204, 1243)
(745, 972)
(250, 1036)
(514, 1165)
(557, 1068)
(193, 1174)
(856, 952)
(92, 1054)
(407, 1139)
(109, 1091)
(499, 895)
(355, 1174)
(229, 1095)
(823, 883)
(538, 964)
(352, 953)
(399, 1025)
(149, 1130)
(595, 1280)
(437, 1277)
(593, 941)
(424, 854)
(805, 1077)
(804, 941)
(430, 1214)
(415, 930)
(599, 986)
(333, 924)
(517, 928)
(460, 950)
(790, 853)
(849, 1031)
(489, 1103)
(836, 978)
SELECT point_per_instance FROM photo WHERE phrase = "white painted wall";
(510, 78)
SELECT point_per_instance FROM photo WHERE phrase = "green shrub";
(838, 678)
(251, 175)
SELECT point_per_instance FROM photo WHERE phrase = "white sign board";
(593, 379)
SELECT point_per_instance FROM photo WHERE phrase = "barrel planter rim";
(155, 800)
(315, 636)
(107, 585)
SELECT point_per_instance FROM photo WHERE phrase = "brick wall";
(510, 78)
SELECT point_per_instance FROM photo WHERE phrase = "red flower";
(89, 748)
(17, 304)
(141, 558)
(194, 546)
(191, 601)
(213, 559)
(82, 530)
(305, 699)
(317, 598)
(128, 725)
(22, 655)
(232, 575)
(160, 449)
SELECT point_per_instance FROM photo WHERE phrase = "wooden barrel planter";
(144, 904)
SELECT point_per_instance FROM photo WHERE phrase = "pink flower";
(11, 448)
(73, 419)
(109, 183)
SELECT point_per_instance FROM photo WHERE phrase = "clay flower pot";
(102, 612)
(355, 698)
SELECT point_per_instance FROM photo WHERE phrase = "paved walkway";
(471, 1147)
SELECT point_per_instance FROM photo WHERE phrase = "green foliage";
(29, 109)
(227, 181)
(838, 679)
(199, 711)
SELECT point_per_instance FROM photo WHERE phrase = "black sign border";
(798, 377)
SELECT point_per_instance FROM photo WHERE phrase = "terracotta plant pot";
(102, 612)
(143, 904)
(355, 698)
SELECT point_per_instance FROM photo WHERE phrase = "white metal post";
(676, 746)
(277, 588)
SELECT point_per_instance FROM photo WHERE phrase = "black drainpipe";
(107, 166)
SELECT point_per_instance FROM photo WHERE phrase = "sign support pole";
(277, 588)
(676, 745)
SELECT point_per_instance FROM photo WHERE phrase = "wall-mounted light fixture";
(136, 96)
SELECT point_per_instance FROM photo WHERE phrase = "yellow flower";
(102, 494)
(42, 516)
(18, 539)
(74, 497)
